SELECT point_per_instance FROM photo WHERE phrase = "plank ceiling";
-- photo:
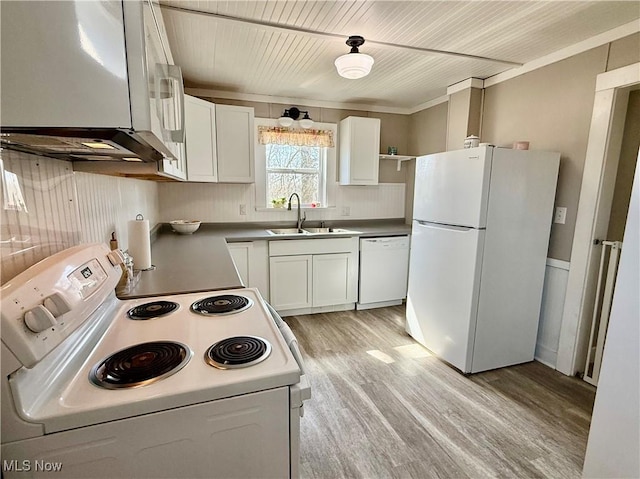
(240, 57)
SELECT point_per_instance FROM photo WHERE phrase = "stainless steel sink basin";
(287, 231)
(330, 231)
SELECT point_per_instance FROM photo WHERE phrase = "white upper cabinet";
(220, 142)
(202, 162)
(235, 137)
(359, 150)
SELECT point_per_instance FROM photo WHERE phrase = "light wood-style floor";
(382, 407)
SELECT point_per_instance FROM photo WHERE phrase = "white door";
(444, 284)
(452, 188)
(290, 281)
(331, 279)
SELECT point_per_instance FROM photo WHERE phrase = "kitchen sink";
(287, 231)
(310, 231)
(330, 231)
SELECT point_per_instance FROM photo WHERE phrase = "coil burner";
(223, 304)
(238, 352)
(152, 310)
(140, 365)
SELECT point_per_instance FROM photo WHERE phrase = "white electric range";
(206, 384)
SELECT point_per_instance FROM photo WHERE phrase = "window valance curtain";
(270, 135)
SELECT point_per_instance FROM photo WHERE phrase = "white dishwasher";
(384, 268)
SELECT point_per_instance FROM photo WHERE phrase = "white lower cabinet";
(252, 262)
(291, 279)
(331, 283)
(313, 273)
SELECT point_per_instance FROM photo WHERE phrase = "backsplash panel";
(48, 222)
(221, 203)
(107, 203)
(62, 209)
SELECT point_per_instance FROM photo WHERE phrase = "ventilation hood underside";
(81, 144)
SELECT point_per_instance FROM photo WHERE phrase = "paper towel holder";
(139, 217)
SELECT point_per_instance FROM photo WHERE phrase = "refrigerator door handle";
(442, 226)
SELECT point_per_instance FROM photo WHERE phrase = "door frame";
(596, 193)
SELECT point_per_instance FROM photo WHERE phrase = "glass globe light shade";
(354, 65)
(306, 122)
(285, 121)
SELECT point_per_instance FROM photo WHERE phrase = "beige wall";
(427, 134)
(626, 169)
(551, 108)
(428, 130)
(624, 52)
(465, 111)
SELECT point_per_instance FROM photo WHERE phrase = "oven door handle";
(301, 391)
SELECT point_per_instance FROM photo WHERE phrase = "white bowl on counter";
(185, 227)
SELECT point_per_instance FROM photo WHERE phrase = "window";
(288, 161)
(298, 169)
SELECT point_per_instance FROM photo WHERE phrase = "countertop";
(234, 232)
(186, 264)
(201, 261)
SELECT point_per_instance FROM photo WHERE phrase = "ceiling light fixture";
(354, 64)
(292, 114)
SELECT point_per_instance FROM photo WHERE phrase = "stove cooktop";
(80, 402)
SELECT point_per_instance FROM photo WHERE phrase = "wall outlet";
(243, 209)
(346, 211)
(561, 215)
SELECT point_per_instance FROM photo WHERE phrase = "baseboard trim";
(546, 356)
(380, 304)
(319, 309)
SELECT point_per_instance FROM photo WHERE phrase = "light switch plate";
(561, 215)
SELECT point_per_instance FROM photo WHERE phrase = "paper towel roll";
(140, 243)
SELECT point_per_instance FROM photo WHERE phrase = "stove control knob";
(57, 305)
(115, 257)
(39, 319)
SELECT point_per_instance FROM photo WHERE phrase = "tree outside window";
(295, 169)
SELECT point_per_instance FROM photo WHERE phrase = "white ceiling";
(252, 54)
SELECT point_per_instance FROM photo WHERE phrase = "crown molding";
(428, 104)
(464, 84)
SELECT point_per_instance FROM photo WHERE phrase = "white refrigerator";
(480, 233)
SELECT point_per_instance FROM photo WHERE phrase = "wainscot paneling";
(40, 210)
(47, 208)
(107, 203)
(553, 294)
(222, 203)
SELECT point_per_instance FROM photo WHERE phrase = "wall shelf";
(398, 158)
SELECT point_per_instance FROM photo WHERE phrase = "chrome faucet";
(304, 217)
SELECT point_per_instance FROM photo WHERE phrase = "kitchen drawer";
(313, 246)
